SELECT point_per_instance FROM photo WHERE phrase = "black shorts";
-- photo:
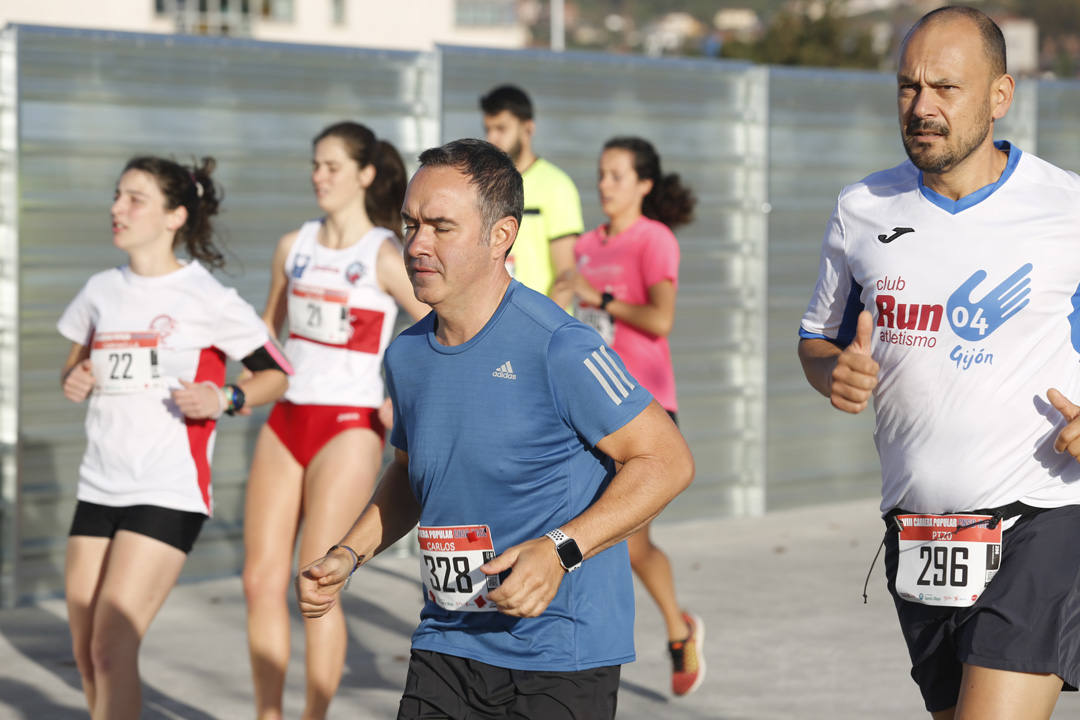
(1026, 620)
(175, 527)
(445, 686)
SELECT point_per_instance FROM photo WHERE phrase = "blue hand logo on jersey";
(1074, 319)
(974, 320)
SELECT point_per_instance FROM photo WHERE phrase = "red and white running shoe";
(688, 658)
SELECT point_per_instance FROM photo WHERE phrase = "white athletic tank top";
(340, 320)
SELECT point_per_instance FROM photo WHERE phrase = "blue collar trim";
(954, 206)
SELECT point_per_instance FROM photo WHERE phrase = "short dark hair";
(507, 97)
(489, 170)
(992, 39)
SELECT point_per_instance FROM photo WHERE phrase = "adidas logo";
(504, 371)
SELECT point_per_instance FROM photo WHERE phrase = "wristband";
(605, 298)
(357, 559)
(219, 393)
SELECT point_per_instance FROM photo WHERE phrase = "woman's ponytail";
(384, 197)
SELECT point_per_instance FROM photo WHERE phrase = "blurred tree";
(1054, 17)
(1059, 31)
(793, 37)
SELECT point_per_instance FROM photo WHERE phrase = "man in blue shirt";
(509, 418)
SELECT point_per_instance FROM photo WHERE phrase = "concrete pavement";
(781, 596)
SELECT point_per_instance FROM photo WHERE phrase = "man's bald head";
(993, 41)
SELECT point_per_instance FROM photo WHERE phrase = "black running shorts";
(445, 686)
(175, 527)
(1027, 619)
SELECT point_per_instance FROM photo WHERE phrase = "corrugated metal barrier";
(84, 103)
(765, 149)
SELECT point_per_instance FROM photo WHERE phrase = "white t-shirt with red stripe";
(145, 333)
(340, 320)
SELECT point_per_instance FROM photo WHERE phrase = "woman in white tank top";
(338, 281)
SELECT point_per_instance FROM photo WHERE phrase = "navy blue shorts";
(1027, 619)
(445, 686)
(175, 527)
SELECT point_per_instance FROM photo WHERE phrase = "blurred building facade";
(401, 25)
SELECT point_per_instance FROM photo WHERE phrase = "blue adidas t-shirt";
(500, 431)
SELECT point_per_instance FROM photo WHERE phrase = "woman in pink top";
(624, 286)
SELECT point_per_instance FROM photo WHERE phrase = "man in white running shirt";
(948, 293)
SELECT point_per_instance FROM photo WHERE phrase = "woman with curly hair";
(149, 342)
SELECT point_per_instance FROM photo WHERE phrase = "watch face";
(569, 554)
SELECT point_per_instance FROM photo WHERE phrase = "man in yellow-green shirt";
(552, 216)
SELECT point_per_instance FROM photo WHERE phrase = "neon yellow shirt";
(552, 211)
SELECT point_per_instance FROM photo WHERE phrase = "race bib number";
(947, 559)
(450, 560)
(599, 320)
(320, 315)
(125, 362)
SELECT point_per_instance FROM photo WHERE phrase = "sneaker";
(688, 658)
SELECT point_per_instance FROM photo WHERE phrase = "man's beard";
(948, 157)
(515, 151)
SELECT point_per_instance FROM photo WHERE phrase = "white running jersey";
(976, 306)
(145, 333)
(340, 320)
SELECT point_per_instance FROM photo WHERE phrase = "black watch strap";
(605, 298)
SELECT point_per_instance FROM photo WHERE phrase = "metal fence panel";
(1058, 136)
(89, 100)
(9, 319)
(707, 121)
(766, 150)
(826, 129)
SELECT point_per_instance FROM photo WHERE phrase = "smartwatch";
(236, 399)
(605, 298)
(569, 555)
